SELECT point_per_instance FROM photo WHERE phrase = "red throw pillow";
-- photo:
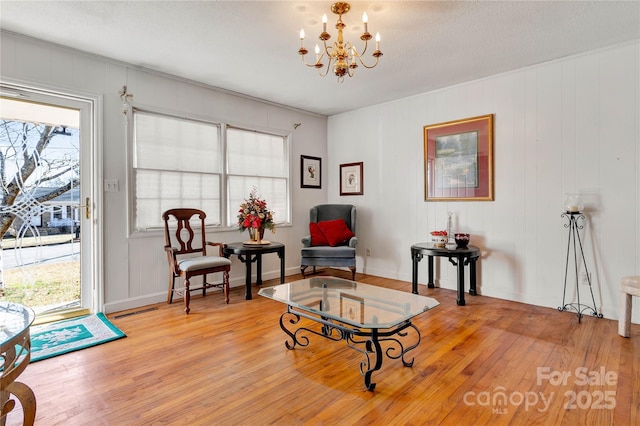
(336, 231)
(317, 237)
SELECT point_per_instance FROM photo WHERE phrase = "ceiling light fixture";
(342, 56)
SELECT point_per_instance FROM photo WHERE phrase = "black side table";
(253, 253)
(459, 257)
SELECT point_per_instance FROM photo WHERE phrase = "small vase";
(256, 234)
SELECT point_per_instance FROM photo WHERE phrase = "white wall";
(135, 268)
(571, 125)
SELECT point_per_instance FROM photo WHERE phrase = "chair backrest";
(324, 212)
(184, 234)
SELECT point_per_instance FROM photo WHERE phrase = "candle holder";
(573, 204)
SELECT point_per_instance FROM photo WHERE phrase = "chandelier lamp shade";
(341, 57)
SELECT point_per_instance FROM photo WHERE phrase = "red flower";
(253, 213)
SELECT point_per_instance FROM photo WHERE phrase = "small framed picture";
(352, 308)
(310, 172)
(351, 179)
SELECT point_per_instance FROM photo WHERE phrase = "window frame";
(227, 212)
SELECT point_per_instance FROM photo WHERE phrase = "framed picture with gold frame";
(458, 160)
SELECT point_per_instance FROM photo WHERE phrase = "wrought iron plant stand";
(575, 224)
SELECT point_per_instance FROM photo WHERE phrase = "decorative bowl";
(462, 240)
(439, 238)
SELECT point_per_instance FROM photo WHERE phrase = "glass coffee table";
(366, 317)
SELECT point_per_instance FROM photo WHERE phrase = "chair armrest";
(171, 258)
(220, 246)
(306, 241)
(353, 242)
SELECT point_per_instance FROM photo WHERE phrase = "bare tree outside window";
(37, 165)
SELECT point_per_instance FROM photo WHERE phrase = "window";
(179, 162)
(260, 160)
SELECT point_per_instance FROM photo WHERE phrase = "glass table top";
(14, 319)
(354, 303)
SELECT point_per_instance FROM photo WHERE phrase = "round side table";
(15, 353)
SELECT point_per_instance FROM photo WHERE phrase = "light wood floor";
(228, 365)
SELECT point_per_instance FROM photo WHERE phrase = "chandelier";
(342, 57)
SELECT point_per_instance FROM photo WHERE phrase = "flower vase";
(256, 234)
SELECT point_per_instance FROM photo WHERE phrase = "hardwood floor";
(228, 365)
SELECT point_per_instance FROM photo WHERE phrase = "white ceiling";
(250, 47)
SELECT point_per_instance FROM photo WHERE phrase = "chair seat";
(330, 252)
(202, 262)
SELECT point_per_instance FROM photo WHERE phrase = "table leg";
(247, 278)
(281, 256)
(259, 269)
(430, 283)
(472, 277)
(27, 399)
(460, 300)
(415, 258)
(373, 346)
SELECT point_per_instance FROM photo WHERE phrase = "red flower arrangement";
(254, 213)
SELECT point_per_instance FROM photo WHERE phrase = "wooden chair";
(184, 260)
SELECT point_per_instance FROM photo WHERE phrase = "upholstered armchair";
(332, 240)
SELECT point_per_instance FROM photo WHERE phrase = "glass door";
(45, 219)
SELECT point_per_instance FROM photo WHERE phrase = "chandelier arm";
(318, 63)
(331, 51)
(326, 69)
(313, 64)
(305, 62)
(368, 66)
(366, 44)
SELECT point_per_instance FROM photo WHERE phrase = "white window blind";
(261, 160)
(177, 163)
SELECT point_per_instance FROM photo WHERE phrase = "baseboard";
(159, 297)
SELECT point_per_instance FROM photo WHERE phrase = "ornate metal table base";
(15, 354)
(366, 341)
